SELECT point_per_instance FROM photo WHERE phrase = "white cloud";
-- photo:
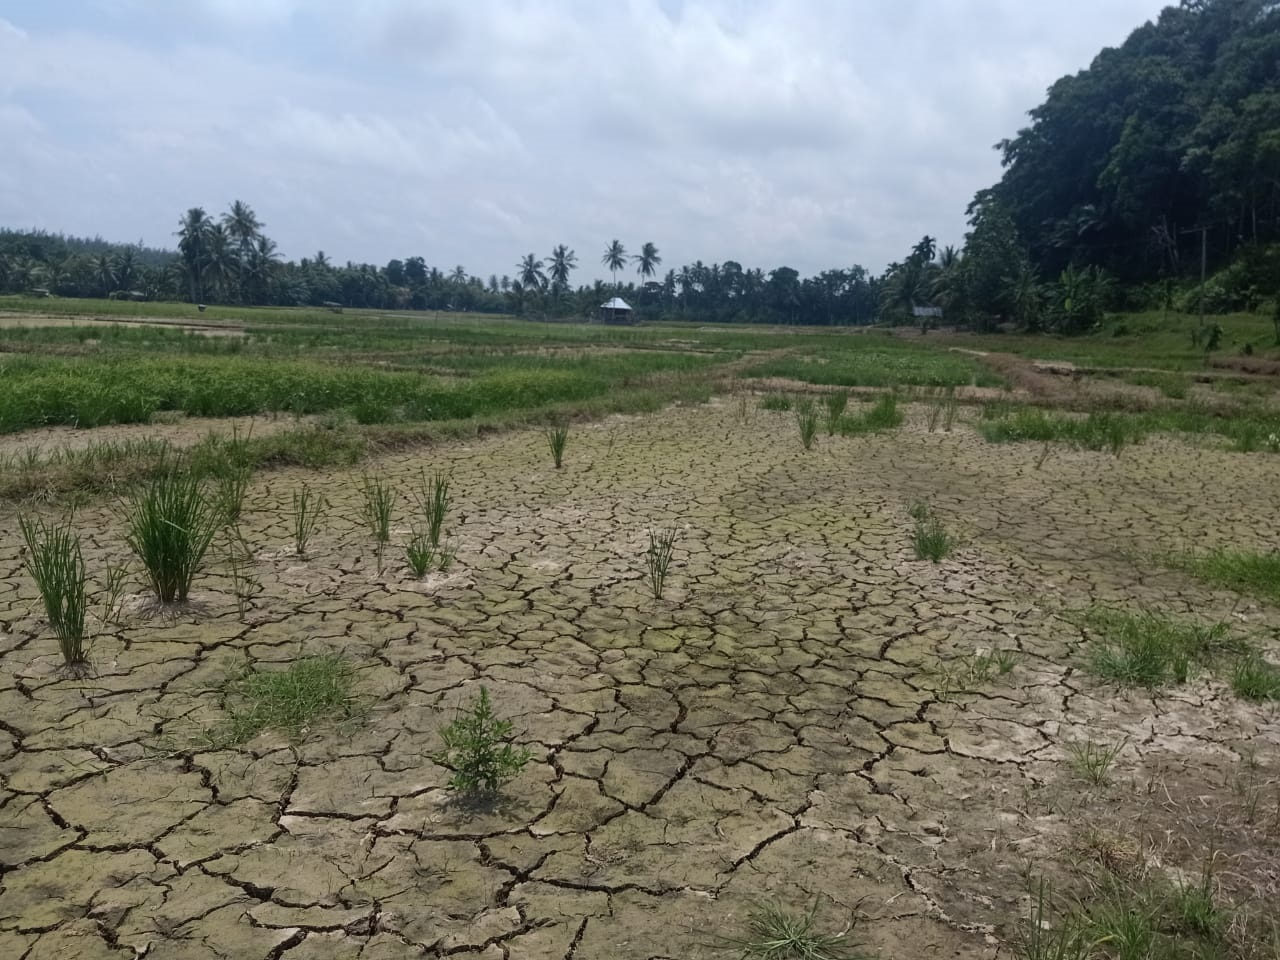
(816, 133)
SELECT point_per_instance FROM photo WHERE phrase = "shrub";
(477, 749)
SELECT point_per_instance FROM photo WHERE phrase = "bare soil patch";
(785, 723)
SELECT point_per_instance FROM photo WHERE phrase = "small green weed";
(433, 504)
(657, 559)
(240, 564)
(292, 699)
(113, 593)
(308, 509)
(1093, 761)
(776, 933)
(1051, 937)
(56, 564)
(378, 500)
(931, 540)
(478, 750)
(969, 673)
(229, 494)
(557, 437)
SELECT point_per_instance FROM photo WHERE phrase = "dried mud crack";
(798, 716)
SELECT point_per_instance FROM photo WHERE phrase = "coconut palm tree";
(647, 261)
(264, 262)
(563, 261)
(615, 258)
(243, 226)
(192, 231)
(222, 264)
(532, 276)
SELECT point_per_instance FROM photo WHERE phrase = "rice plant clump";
(478, 749)
(171, 523)
(657, 559)
(836, 404)
(557, 437)
(378, 503)
(930, 538)
(1254, 678)
(56, 564)
(308, 509)
(433, 504)
(807, 421)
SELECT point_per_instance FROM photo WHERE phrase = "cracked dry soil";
(777, 727)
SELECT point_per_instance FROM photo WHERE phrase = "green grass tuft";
(1148, 650)
(1248, 572)
(883, 415)
(293, 699)
(171, 524)
(776, 933)
(557, 437)
(56, 564)
(1254, 678)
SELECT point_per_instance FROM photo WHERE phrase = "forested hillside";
(1176, 130)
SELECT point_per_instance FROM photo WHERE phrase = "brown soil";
(785, 723)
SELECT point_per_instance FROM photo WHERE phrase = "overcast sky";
(811, 133)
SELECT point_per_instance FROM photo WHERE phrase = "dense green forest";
(1160, 160)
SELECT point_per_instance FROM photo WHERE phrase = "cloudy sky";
(812, 133)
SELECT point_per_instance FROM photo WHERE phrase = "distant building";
(616, 310)
(927, 313)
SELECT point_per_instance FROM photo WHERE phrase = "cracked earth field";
(780, 726)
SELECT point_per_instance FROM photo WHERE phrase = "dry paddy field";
(809, 719)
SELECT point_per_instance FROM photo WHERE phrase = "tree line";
(1159, 160)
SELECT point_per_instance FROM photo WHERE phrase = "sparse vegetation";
(478, 749)
(171, 523)
(657, 559)
(1149, 650)
(807, 421)
(777, 933)
(835, 403)
(1255, 678)
(378, 500)
(1093, 761)
(1244, 571)
(56, 564)
(883, 415)
(308, 508)
(930, 538)
(293, 698)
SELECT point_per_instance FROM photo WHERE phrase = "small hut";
(616, 310)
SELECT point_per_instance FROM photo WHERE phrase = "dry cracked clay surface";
(785, 724)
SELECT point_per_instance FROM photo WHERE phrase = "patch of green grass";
(1093, 761)
(971, 672)
(884, 415)
(930, 538)
(776, 933)
(1097, 431)
(1175, 386)
(56, 564)
(870, 360)
(1249, 572)
(1254, 678)
(1146, 649)
(775, 402)
(308, 507)
(478, 750)
(171, 522)
(294, 699)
